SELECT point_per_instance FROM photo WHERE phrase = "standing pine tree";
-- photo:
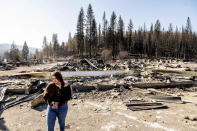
(177, 43)
(89, 33)
(188, 27)
(94, 37)
(99, 36)
(14, 53)
(55, 45)
(122, 44)
(145, 41)
(157, 34)
(188, 33)
(169, 41)
(45, 47)
(150, 49)
(80, 33)
(104, 30)
(129, 39)
(62, 49)
(44, 42)
(113, 34)
(70, 42)
(25, 51)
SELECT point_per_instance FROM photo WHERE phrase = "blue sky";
(31, 20)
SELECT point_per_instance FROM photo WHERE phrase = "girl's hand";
(54, 105)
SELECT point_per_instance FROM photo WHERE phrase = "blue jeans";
(60, 113)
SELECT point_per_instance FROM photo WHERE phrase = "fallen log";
(32, 74)
(165, 85)
(38, 100)
(83, 88)
(145, 104)
(99, 87)
(154, 91)
(20, 100)
(9, 100)
(139, 108)
(16, 91)
(7, 83)
(141, 105)
(176, 71)
(169, 99)
(102, 87)
(2, 93)
(90, 63)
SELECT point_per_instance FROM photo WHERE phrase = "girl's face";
(54, 79)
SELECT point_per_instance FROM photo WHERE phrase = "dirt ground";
(100, 111)
(109, 114)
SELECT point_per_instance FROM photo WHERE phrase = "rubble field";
(143, 95)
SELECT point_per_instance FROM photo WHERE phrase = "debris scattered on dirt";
(138, 85)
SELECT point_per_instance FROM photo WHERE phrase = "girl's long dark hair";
(59, 77)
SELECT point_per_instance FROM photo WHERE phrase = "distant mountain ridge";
(6, 47)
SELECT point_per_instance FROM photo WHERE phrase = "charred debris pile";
(143, 84)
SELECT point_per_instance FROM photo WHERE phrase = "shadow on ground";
(41, 107)
(2, 121)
